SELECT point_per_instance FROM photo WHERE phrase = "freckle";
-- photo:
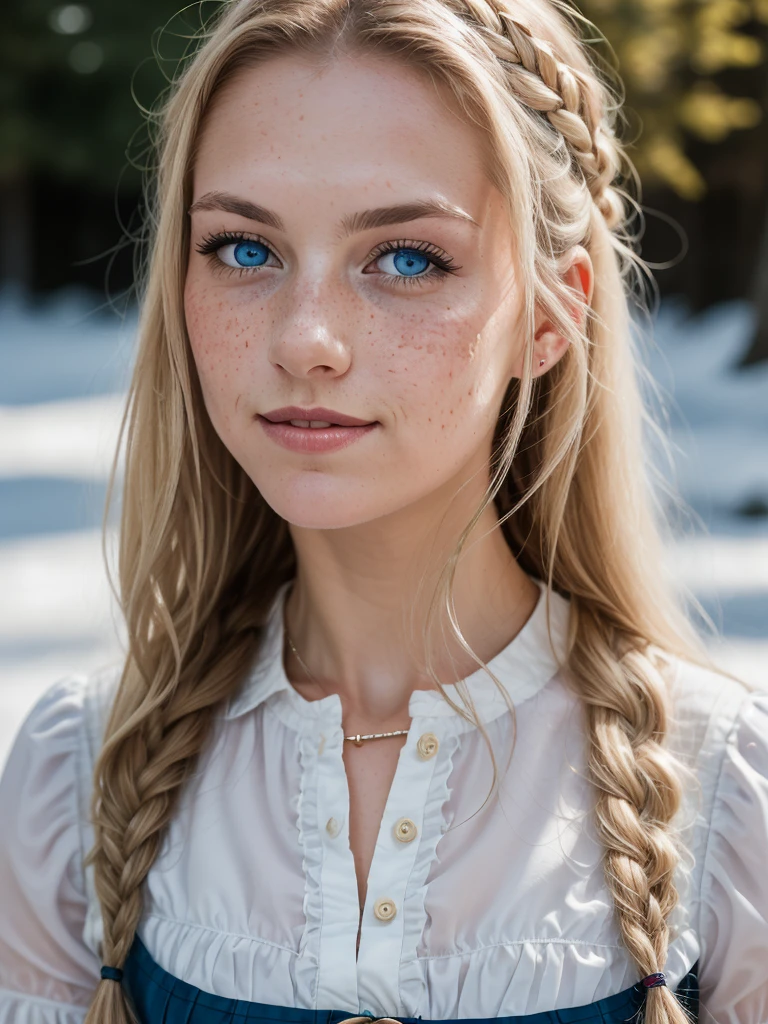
(246, 343)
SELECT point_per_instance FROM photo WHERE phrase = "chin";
(326, 508)
(312, 517)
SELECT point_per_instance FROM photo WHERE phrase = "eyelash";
(442, 264)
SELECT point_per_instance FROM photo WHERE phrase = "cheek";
(441, 374)
(218, 340)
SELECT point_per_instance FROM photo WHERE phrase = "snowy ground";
(64, 370)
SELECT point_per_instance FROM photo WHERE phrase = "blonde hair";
(202, 555)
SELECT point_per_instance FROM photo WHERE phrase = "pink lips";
(344, 430)
(295, 412)
(314, 439)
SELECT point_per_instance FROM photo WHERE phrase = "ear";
(548, 344)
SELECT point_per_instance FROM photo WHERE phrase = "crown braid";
(552, 87)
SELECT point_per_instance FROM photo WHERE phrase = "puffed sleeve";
(47, 973)
(734, 896)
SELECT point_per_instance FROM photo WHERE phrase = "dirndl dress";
(160, 998)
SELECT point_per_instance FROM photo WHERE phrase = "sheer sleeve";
(47, 972)
(734, 894)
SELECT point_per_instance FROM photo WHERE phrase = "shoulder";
(707, 706)
(719, 731)
(720, 728)
(45, 794)
(70, 715)
(51, 761)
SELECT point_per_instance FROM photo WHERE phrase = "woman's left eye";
(404, 262)
(411, 260)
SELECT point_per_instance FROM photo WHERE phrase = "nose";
(309, 342)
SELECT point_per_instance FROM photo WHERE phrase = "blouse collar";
(523, 667)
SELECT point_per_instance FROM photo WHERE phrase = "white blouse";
(498, 911)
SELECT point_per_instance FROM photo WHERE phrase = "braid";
(139, 777)
(639, 792)
(564, 93)
(161, 719)
(130, 824)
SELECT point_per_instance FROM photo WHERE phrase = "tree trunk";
(758, 348)
(16, 233)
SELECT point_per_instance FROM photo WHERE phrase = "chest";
(370, 770)
(285, 832)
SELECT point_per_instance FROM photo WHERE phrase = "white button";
(332, 827)
(384, 909)
(427, 745)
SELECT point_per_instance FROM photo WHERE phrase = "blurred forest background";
(75, 77)
(76, 81)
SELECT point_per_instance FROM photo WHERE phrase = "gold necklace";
(358, 739)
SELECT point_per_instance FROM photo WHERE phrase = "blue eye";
(244, 254)
(408, 262)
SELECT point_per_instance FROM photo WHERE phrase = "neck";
(357, 612)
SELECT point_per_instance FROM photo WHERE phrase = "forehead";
(366, 124)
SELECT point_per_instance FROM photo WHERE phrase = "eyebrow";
(381, 216)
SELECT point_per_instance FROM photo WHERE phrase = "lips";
(317, 413)
(308, 440)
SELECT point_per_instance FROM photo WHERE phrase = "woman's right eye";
(244, 255)
(236, 253)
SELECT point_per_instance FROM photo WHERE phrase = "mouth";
(306, 436)
(316, 424)
(316, 418)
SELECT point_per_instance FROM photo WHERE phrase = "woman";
(410, 723)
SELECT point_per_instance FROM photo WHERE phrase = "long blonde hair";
(202, 555)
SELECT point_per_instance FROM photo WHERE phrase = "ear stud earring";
(542, 361)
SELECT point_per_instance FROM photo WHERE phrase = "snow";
(65, 370)
(74, 438)
(718, 414)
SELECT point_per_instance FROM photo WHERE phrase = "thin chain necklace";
(358, 739)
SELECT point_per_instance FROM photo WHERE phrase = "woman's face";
(305, 297)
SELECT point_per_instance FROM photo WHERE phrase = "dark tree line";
(75, 77)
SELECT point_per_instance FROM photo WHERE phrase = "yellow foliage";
(723, 14)
(658, 44)
(670, 164)
(712, 115)
(719, 50)
(648, 58)
(659, 6)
